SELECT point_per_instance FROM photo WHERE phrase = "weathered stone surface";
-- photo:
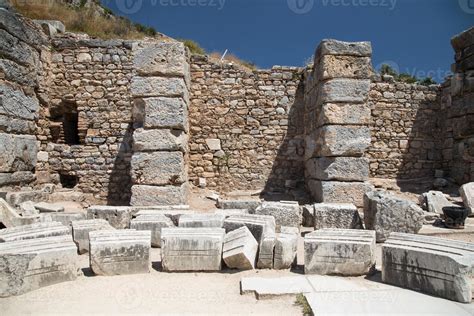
(27, 265)
(336, 215)
(32, 231)
(335, 47)
(213, 144)
(51, 27)
(286, 247)
(308, 215)
(158, 87)
(118, 217)
(339, 192)
(21, 28)
(64, 218)
(191, 249)
(15, 104)
(264, 287)
(467, 194)
(435, 201)
(17, 152)
(232, 212)
(266, 251)
(387, 214)
(340, 252)
(201, 220)
(116, 252)
(285, 213)
(158, 168)
(16, 178)
(153, 223)
(160, 113)
(344, 90)
(17, 51)
(145, 195)
(15, 198)
(28, 208)
(240, 249)
(259, 225)
(250, 205)
(162, 59)
(463, 39)
(171, 213)
(10, 217)
(159, 140)
(428, 264)
(334, 66)
(338, 168)
(344, 114)
(49, 207)
(81, 230)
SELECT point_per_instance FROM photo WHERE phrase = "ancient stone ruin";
(134, 131)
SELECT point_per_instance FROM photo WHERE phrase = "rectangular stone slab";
(467, 194)
(201, 220)
(437, 266)
(158, 168)
(240, 249)
(119, 217)
(82, 228)
(37, 230)
(147, 195)
(154, 223)
(286, 247)
(338, 168)
(339, 192)
(259, 225)
(191, 249)
(27, 265)
(339, 252)
(285, 213)
(116, 252)
(173, 214)
(266, 251)
(336, 215)
(250, 205)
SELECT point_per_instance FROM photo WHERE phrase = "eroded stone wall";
(246, 127)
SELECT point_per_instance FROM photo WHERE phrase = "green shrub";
(428, 81)
(193, 46)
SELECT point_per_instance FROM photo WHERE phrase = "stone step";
(117, 252)
(82, 228)
(201, 220)
(340, 252)
(436, 266)
(27, 265)
(37, 230)
(192, 249)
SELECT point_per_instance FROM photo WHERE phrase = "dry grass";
(81, 19)
(231, 58)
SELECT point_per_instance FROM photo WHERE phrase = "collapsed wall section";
(337, 118)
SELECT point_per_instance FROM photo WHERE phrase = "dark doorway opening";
(64, 125)
(68, 181)
(70, 124)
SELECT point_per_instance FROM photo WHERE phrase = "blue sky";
(411, 35)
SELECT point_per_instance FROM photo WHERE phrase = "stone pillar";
(337, 117)
(160, 114)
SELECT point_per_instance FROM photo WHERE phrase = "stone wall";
(405, 130)
(246, 127)
(85, 131)
(337, 118)
(458, 112)
(23, 55)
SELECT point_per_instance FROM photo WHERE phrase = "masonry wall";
(405, 129)
(245, 127)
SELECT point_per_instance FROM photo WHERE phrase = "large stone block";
(158, 168)
(27, 265)
(463, 39)
(467, 194)
(118, 217)
(81, 230)
(339, 252)
(432, 265)
(259, 225)
(344, 91)
(15, 104)
(145, 195)
(336, 215)
(116, 252)
(250, 205)
(436, 201)
(172, 213)
(286, 247)
(32, 231)
(9, 216)
(201, 220)
(154, 223)
(162, 59)
(191, 249)
(285, 213)
(159, 87)
(158, 113)
(343, 114)
(159, 140)
(64, 218)
(339, 192)
(16, 178)
(240, 249)
(17, 152)
(335, 140)
(21, 28)
(340, 66)
(266, 251)
(19, 52)
(338, 168)
(387, 214)
(335, 47)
